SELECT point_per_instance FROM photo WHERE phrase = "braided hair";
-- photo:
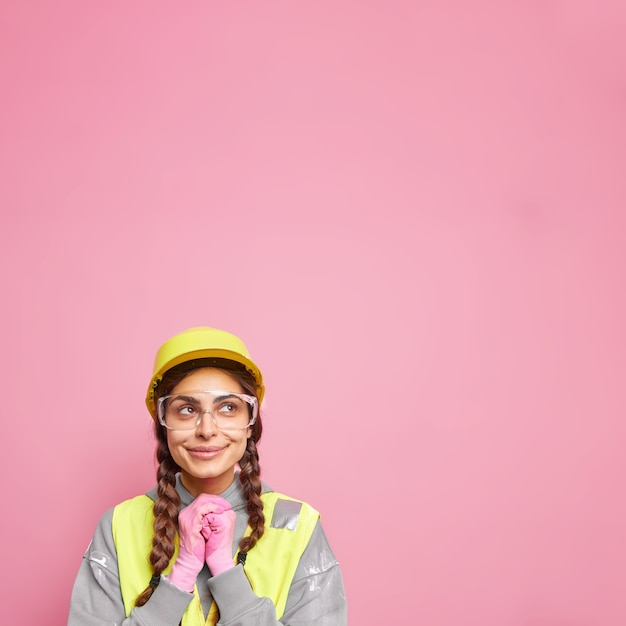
(167, 505)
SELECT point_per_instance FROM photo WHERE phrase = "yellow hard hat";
(201, 343)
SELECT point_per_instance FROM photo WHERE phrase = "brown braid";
(250, 480)
(166, 508)
(167, 505)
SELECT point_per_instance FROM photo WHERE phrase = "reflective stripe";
(286, 514)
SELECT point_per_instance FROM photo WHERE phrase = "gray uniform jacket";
(316, 596)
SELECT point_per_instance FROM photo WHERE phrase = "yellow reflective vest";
(270, 565)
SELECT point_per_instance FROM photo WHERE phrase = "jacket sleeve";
(316, 596)
(97, 599)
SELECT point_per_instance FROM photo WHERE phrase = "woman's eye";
(228, 407)
(187, 411)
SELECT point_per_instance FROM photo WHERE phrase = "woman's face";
(207, 456)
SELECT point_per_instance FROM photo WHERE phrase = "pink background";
(412, 212)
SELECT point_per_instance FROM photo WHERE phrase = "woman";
(211, 543)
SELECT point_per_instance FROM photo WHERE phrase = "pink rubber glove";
(190, 559)
(218, 529)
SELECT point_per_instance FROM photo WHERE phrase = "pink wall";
(414, 216)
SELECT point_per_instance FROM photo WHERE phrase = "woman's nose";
(206, 425)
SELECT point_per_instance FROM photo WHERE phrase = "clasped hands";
(206, 528)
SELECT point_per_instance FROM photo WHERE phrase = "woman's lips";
(205, 452)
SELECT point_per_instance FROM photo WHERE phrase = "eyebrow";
(185, 398)
(227, 394)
